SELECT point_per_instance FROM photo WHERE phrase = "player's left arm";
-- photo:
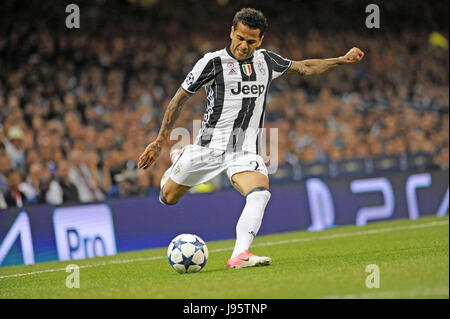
(317, 66)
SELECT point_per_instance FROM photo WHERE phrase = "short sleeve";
(201, 74)
(278, 64)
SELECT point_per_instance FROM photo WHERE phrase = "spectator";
(36, 184)
(114, 163)
(61, 189)
(101, 177)
(81, 177)
(14, 148)
(14, 197)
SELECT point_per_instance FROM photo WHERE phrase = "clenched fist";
(354, 55)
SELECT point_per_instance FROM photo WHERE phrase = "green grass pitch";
(412, 257)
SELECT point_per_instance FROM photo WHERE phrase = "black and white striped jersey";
(236, 92)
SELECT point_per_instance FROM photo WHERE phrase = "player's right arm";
(151, 152)
(202, 74)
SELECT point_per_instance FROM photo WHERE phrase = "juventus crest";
(247, 69)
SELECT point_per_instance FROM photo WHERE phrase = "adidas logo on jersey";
(249, 89)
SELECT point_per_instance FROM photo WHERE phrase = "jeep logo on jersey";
(249, 89)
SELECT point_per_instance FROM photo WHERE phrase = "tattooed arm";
(151, 153)
(317, 66)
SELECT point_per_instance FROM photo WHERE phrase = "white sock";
(250, 220)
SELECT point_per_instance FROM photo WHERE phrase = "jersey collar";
(228, 50)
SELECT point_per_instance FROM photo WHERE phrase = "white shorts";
(197, 164)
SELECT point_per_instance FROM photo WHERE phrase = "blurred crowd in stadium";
(78, 107)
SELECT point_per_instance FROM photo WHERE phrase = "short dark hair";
(254, 19)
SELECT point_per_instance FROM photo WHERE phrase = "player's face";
(244, 41)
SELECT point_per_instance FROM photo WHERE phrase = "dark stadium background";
(88, 100)
(102, 88)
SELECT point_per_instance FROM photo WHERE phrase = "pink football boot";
(247, 259)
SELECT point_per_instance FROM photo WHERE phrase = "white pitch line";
(270, 243)
(103, 263)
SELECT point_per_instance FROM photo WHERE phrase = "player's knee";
(260, 194)
(167, 198)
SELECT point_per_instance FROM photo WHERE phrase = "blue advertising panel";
(26, 236)
(44, 233)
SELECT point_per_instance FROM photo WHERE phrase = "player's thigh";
(172, 192)
(245, 181)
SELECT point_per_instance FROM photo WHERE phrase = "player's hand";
(354, 55)
(150, 154)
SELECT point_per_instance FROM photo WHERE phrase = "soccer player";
(236, 80)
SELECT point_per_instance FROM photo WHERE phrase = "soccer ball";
(187, 253)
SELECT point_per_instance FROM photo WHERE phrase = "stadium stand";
(94, 97)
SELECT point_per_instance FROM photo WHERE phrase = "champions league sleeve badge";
(190, 78)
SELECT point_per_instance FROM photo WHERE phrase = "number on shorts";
(256, 163)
